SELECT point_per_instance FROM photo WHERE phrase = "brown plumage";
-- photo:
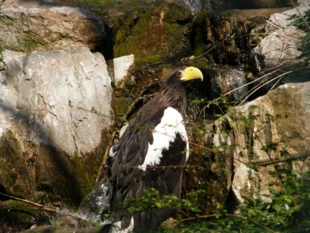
(143, 158)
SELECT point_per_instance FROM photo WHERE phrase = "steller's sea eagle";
(151, 153)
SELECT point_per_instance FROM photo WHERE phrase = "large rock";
(283, 43)
(269, 133)
(303, 2)
(55, 113)
(39, 25)
(285, 18)
(66, 93)
(281, 46)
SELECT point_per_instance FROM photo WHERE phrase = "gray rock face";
(268, 132)
(55, 113)
(35, 25)
(303, 2)
(65, 95)
(281, 46)
(232, 81)
(284, 19)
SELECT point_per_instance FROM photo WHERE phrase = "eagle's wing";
(150, 154)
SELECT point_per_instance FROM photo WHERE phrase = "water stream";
(194, 5)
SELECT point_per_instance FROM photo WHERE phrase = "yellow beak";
(190, 73)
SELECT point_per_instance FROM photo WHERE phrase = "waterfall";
(194, 5)
(95, 203)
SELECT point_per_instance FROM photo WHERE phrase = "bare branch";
(29, 202)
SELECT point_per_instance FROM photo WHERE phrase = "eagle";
(151, 153)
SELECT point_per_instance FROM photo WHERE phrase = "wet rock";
(224, 37)
(269, 133)
(39, 25)
(232, 81)
(194, 5)
(95, 203)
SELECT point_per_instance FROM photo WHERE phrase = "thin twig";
(266, 162)
(260, 86)
(105, 158)
(200, 146)
(249, 83)
(29, 202)
(301, 16)
(132, 106)
(201, 55)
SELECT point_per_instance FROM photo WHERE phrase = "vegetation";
(287, 209)
(303, 24)
(103, 3)
(1, 61)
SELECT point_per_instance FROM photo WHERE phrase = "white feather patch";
(165, 132)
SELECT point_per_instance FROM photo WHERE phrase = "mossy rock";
(16, 215)
(155, 34)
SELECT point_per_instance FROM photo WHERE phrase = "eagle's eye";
(179, 73)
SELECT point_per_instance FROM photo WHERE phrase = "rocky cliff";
(60, 99)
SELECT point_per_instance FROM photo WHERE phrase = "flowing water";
(194, 5)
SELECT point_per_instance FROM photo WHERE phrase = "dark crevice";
(2, 190)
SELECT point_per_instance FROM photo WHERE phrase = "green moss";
(30, 44)
(87, 175)
(102, 3)
(199, 33)
(8, 23)
(177, 13)
(27, 44)
(18, 215)
(154, 35)
(120, 105)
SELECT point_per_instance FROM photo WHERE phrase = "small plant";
(2, 64)
(54, 222)
(8, 23)
(302, 22)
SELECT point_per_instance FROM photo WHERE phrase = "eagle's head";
(190, 73)
(184, 74)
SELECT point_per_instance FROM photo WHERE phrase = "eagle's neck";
(173, 95)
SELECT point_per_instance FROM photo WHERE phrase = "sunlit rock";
(281, 46)
(62, 93)
(55, 113)
(39, 25)
(283, 43)
(303, 2)
(270, 132)
(121, 67)
(285, 18)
